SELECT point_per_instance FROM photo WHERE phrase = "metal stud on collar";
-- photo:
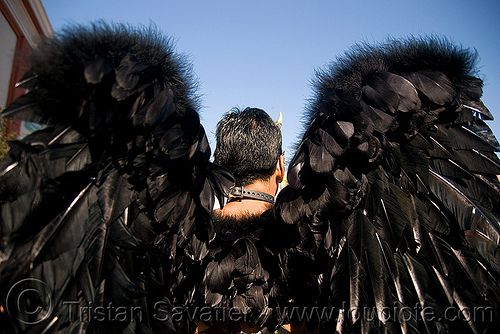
(236, 193)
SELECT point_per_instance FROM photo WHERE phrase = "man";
(249, 145)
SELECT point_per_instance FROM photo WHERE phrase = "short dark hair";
(248, 145)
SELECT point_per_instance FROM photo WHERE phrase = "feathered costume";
(395, 179)
(390, 222)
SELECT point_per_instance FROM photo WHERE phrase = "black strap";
(236, 193)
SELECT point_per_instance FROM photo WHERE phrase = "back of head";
(248, 145)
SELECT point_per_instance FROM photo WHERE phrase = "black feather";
(434, 85)
(96, 69)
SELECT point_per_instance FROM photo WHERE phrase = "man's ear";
(280, 169)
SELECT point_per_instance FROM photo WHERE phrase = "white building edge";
(22, 23)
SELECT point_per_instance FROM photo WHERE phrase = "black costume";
(391, 213)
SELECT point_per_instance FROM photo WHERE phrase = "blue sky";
(264, 53)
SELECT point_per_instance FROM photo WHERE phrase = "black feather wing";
(395, 180)
(107, 210)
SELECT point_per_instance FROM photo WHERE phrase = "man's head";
(248, 145)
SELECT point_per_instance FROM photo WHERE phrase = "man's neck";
(250, 207)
